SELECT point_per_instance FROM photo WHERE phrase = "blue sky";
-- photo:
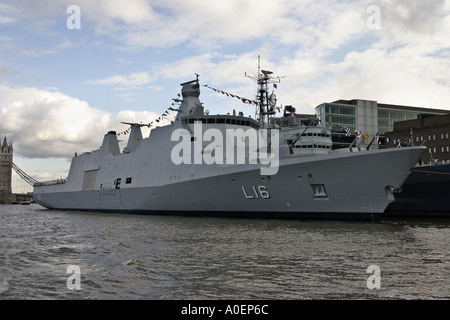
(62, 89)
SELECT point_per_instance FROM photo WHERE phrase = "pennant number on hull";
(256, 192)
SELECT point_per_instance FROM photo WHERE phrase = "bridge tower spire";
(6, 162)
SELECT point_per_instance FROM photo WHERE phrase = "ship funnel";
(135, 137)
(110, 143)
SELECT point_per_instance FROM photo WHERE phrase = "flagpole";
(368, 147)
(360, 144)
(411, 137)
(351, 145)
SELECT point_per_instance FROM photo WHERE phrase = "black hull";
(363, 216)
(426, 192)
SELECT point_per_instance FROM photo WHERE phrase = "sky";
(72, 70)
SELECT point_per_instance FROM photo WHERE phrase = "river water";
(46, 254)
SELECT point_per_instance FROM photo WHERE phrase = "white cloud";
(398, 77)
(46, 124)
(106, 13)
(215, 23)
(6, 70)
(134, 80)
(128, 11)
(4, 20)
(5, 14)
(410, 16)
(324, 49)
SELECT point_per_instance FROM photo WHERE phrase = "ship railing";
(432, 162)
(50, 183)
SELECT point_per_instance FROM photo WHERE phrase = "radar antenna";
(266, 102)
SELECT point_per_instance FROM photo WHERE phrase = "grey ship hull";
(340, 185)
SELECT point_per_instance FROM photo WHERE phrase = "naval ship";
(231, 165)
(424, 193)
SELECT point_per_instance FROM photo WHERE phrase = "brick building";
(430, 131)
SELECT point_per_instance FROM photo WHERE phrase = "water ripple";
(155, 257)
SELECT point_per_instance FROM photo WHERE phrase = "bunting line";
(244, 100)
(148, 125)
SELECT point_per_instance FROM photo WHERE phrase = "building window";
(448, 149)
(434, 150)
(442, 136)
(128, 180)
(442, 149)
(434, 137)
(446, 136)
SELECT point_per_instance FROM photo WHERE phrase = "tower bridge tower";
(6, 161)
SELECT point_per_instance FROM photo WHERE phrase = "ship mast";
(266, 102)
